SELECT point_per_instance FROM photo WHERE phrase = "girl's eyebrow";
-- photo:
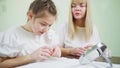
(44, 22)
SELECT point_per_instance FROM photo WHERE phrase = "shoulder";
(10, 43)
(10, 35)
(95, 28)
(11, 32)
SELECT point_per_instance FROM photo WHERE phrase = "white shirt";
(19, 42)
(79, 40)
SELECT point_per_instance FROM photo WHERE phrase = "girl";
(33, 41)
(79, 34)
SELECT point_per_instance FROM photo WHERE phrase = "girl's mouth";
(41, 33)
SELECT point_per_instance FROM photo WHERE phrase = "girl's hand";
(56, 52)
(41, 54)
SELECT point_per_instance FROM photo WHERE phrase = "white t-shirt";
(79, 40)
(19, 42)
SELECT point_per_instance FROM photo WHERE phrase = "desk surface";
(66, 63)
(115, 60)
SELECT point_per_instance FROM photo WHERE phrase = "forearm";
(66, 51)
(11, 63)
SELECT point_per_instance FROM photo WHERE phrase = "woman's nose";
(77, 8)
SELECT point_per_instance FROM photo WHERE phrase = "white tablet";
(92, 53)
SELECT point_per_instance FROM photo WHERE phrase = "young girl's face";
(78, 10)
(41, 25)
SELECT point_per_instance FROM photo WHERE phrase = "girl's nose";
(45, 29)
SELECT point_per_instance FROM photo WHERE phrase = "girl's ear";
(30, 15)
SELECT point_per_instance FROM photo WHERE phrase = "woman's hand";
(78, 51)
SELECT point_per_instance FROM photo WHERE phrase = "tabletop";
(67, 63)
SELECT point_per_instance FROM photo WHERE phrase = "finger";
(50, 48)
(53, 51)
(47, 47)
(45, 54)
(46, 51)
(56, 52)
(81, 49)
(87, 47)
(78, 54)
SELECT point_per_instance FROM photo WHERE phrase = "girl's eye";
(43, 24)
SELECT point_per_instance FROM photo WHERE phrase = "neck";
(80, 23)
(27, 27)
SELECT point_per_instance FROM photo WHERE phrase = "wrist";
(70, 51)
(30, 58)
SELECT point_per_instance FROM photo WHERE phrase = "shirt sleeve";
(9, 45)
(61, 34)
(95, 38)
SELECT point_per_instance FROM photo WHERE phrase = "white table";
(66, 63)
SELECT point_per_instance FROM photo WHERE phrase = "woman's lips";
(77, 14)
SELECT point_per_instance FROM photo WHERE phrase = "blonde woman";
(78, 34)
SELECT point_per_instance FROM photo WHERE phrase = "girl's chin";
(38, 34)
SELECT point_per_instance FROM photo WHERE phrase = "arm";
(76, 52)
(41, 54)
(66, 51)
(72, 51)
(14, 62)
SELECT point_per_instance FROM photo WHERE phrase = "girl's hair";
(88, 23)
(39, 7)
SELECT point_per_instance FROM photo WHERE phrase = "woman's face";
(78, 10)
(41, 25)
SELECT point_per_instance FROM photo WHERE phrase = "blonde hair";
(88, 23)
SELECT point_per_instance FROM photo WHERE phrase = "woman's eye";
(73, 5)
(83, 5)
